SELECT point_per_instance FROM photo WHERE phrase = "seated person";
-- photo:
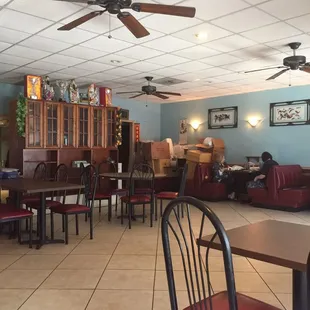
(220, 175)
(260, 179)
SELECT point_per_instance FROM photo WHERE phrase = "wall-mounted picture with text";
(223, 118)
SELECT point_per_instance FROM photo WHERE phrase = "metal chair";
(145, 174)
(196, 269)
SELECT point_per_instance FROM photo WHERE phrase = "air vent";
(168, 81)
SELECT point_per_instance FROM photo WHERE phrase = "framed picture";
(223, 118)
(183, 131)
(290, 113)
(125, 114)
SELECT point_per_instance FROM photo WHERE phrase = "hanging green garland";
(118, 129)
(21, 111)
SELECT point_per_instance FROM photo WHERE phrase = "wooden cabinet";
(98, 125)
(52, 124)
(68, 125)
(110, 126)
(83, 126)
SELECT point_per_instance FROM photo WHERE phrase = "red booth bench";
(286, 189)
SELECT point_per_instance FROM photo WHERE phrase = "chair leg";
(109, 209)
(122, 213)
(77, 224)
(156, 209)
(86, 216)
(91, 225)
(100, 206)
(52, 224)
(143, 216)
(30, 232)
(19, 231)
(151, 212)
(66, 229)
(63, 223)
(182, 210)
(161, 207)
(129, 215)
(116, 201)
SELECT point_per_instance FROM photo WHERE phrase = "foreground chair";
(196, 269)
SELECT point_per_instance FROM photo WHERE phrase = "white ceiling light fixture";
(201, 35)
(115, 61)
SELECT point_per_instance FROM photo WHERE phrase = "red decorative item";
(137, 132)
(105, 96)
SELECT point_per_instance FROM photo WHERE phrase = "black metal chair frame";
(194, 273)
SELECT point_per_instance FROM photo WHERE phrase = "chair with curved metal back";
(196, 270)
(89, 179)
(140, 173)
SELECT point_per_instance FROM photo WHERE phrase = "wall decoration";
(33, 87)
(83, 98)
(105, 96)
(125, 114)
(93, 98)
(21, 111)
(137, 132)
(74, 96)
(62, 86)
(183, 131)
(223, 118)
(290, 113)
(48, 89)
(118, 128)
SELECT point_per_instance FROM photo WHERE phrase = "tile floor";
(124, 269)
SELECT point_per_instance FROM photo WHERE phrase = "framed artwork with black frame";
(223, 118)
(290, 113)
(125, 114)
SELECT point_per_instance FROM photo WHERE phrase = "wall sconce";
(254, 121)
(195, 125)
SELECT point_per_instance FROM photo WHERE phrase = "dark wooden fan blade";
(136, 96)
(278, 74)
(263, 69)
(160, 96)
(184, 11)
(130, 92)
(305, 68)
(168, 93)
(133, 25)
(81, 20)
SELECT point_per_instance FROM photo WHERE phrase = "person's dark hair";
(266, 156)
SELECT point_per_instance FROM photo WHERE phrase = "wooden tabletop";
(31, 186)
(280, 243)
(126, 175)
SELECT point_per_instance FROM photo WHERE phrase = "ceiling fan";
(133, 25)
(295, 62)
(150, 90)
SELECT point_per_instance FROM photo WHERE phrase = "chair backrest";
(40, 172)
(61, 175)
(108, 162)
(89, 179)
(144, 174)
(183, 180)
(196, 271)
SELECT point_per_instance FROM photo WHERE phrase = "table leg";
(300, 289)
(42, 219)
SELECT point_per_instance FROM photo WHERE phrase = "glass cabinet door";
(83, 126)
(68, 124)
(111, 126)
(52, 128)
(98, 125)
(34, 124)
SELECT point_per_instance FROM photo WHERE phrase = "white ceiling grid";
(241, 35)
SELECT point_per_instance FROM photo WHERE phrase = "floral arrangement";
(21, 111)
(118, 129)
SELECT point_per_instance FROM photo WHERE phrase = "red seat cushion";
(10, 212)
(69, 208)
(48, 204)
(220, 302)
(117, 191)
(167, 195)
(136, 199)
(100, 195)
(30, 200)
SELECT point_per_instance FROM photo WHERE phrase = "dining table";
(20, 186)
(275, 242)
(126, 175)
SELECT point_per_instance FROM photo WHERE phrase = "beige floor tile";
(54, 249)
(132, 262)
(95, 248)
(136, 248)
(7, 260)
(121, 300)
(14, 249)
(13, 299)
(286, 300)
(162, 300)
(58, 299)
(39, 262)
(72, 279)
(85, 262)
(22, 279)
(268, 298)
(266, 267)
(127, 280)
(278, 282)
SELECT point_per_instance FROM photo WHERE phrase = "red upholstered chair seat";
(119, 191)
(48, 204)
(11, 212)
(167, 195)
(99, 196)
(136, 199)
(70, 208)
(220, 302)
(28, 200)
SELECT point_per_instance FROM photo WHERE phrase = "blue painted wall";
(8, 92)
(287, 144)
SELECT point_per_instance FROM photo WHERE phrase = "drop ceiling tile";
(14, 60)
(94, 66)
(168, 24)
(3, 2)
(211, 9)
(22, 51)
(167, 60)
(301, 22)
(51, 10)
(128, 81)
(12, 36)
(74, 36)
(75, 72)
(139, 52)
(191, 66)
(143, 66)
(213, 72)
(220, 60)
(121, 71)
(232, 77)
(125, 35)
(197, 52)
(282, 45)
(50, 67)
(168, 72)
(101, 76)
(45, 44)
(168, 44)
(32, 24)
(103, 43)
(189, 77)
(236, 20)
(111, 85)
(4, 46)
(288, 10)
(272, 32)
(84, 81)
(59, 76)
(254, 2)
(83, 52)
(256, 51)
(212, 33)
(26, 70)
(230, 43)
(63, 60)
(6, 67)
(113, 58)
